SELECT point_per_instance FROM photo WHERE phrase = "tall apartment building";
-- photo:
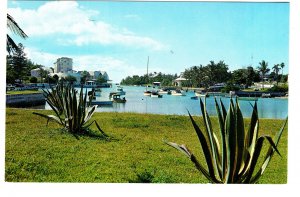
(63, 64)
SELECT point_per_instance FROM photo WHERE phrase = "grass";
(39, 153)
(13, 92)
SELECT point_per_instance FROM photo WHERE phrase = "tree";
(85, 75)
(52, 69)
(276, 70)
(43, 73)
(263, 69)
(101, 79)
(33, 80)
(282, 66)
(239, 76)
(216, 73)
(252, 76)
(71, 79)
(56, 78)
(17, 63)
(14, 27)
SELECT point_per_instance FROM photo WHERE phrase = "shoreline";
(142, 114)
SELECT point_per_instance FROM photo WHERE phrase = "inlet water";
(273, 108)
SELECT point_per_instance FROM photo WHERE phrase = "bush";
(275, 88)
(230, 87)
(72, 113)
(33, 80)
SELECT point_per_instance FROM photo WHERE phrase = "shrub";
(72, 113)
(233, 158)
(275, 88)
(33, 80)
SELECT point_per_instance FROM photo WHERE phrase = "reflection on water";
(137, 102)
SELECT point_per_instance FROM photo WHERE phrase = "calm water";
(137, 102)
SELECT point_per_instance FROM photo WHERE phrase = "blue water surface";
(274, 108)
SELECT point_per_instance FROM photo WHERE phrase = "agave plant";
(72, 112)
(232, 157)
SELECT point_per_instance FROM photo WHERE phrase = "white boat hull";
(175, 93)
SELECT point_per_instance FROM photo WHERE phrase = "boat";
(97, 91)
(194, 97)
(177, 93)
(100, 103)
(164, 91)
(117, 98)
(147, 92)
(120, 90)
(201, 94)
(155, 94)
(90, 84)
(265, 95)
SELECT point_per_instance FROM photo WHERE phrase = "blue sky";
(118, 36)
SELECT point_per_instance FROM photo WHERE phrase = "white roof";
(180, 79)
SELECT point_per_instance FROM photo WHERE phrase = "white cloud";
(74, 25)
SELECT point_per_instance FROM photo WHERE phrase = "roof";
(180, 79)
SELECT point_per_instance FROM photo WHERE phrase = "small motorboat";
(120, 90)
(201, 94)
(177, 93)
(164, 91)
(115, 97)
(155, 94)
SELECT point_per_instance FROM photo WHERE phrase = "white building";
(96, 74)
(37, 72)
(63, 64)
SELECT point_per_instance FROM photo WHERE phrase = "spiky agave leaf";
(270, 153)
(236, 160)
(72, 112)
(221, 119)
(185, 151)
(212, 144)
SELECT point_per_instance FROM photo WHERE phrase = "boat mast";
(147, 73)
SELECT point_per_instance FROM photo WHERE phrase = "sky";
(117, 37)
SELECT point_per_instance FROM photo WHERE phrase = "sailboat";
(147, 92)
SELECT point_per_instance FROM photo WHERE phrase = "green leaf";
(205, 148)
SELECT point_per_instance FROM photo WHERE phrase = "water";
(136, 102)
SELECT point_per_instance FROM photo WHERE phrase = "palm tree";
(52, 69)
(14, 27)
(276, 70)
(282, 66)
(263, 68)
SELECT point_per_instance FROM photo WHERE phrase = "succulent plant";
(73, 112)
(233, 157)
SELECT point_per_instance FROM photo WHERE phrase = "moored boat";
(164, 91)
(201, 94)
(155, 94)
(100, 103)
(177, 93)
(120, 90)
(117, 98)
(147, 93)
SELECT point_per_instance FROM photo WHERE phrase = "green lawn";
(13, 92)
(39, 153)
